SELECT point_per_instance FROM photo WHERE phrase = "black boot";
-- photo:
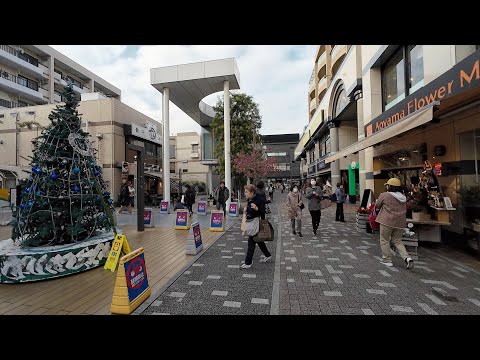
(314, 231)
(300, 234)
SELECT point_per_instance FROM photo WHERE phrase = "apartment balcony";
(20, 86)
(322, 84)
(6, 104)
(313, 105)
(337, 52)
(17, 59)
(322, 61)
(311, 87)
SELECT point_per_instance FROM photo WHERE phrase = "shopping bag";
(373, 217)
(265, 232)
(251, 227)
(244, 222)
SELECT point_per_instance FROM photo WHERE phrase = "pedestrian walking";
(270, 192)
(189, 199)
(131, 193)
(221, 196)
(125, 197)
(295, 206)
(261, 193)
(340, 196)
(392, 218)
(255, 208)
(314, 196)
(327, 190)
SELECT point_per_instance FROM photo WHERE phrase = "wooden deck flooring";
(90, 292)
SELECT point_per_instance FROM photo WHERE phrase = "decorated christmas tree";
(64, 200)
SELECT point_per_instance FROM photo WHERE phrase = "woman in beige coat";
(294, 201)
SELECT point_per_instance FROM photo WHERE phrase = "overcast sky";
(276, 76)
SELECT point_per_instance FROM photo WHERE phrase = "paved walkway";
(336, 272)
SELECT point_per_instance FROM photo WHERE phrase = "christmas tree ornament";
(76, 189)
(22, 206)
(54, 176)
(96, 173)
(76, 170)
(27, 190)
(30, 203)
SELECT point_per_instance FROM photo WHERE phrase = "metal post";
(140, 182)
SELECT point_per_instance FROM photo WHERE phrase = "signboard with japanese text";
(119, 246)
(202, 208)
(164, 207)
(233, 209)
(182, 220)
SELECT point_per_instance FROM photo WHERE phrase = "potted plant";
(470, 195)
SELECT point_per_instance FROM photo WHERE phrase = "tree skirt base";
(18, 265)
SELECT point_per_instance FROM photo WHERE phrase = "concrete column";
(361, 154)
(328, 61)
(335, 166)
(166, 145)
(226, 126)
(51, 80)
(210, 179)
(92, 85)
(369, 181)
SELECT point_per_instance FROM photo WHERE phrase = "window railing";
(19, 54)
(20, 80)
(9, 104)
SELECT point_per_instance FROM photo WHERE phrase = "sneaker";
(387, 263)
(300, 234)
(266, 259)
(409, 262)
(245, 266)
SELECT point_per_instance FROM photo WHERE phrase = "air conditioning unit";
(156, 168)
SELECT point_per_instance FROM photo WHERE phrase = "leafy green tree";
(245, 123)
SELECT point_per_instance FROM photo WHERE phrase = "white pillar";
(335, 166)
(226, 126)
(210, 179)
(166, 145)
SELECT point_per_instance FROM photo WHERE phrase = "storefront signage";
(463, 76)
(148, 132)
(437, 169)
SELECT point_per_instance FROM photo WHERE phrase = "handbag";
(252, 226)
(373, 217)
(302, 205)
(265, 232)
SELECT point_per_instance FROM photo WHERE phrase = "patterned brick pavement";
(336, 272)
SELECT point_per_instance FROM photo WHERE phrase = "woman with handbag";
(295, 206)
(254, 210)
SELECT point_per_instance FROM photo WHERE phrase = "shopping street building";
(411, 112)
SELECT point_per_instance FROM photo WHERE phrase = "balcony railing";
(9, 104)
(312, 104)
(20, 80)
(19, 54)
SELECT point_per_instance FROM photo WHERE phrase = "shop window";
(402, 74)
(462, 51)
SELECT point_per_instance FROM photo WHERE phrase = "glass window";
(462, 51)
(207, 144)
(327, 146)
(393, 80)
(195, 148)
(415, 57)
(172, 151)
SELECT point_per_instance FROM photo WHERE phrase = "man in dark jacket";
(221, 195)
(189, 199)
(340, 195)
(261, 193)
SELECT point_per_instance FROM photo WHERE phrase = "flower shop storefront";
(434, 149)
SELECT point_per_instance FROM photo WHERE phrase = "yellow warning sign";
(119, 246)
(131, 285)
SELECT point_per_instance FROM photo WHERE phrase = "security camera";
(99, 136)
